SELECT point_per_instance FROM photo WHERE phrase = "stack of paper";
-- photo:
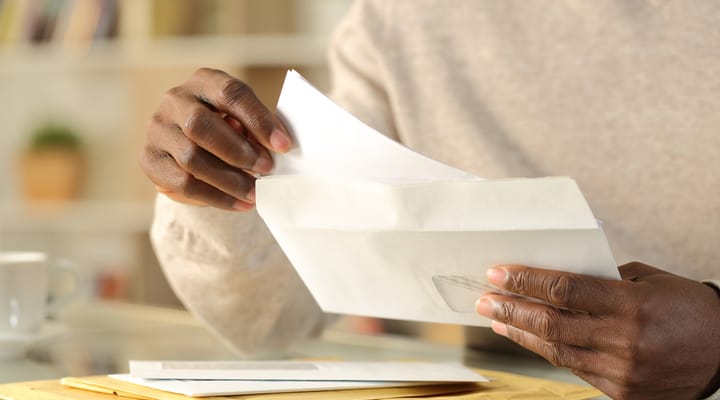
(502, 386)
(211, 378)
(375, 229)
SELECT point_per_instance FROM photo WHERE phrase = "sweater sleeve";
(230, 274)
(225, 266)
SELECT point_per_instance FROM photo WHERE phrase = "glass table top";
(100, 338)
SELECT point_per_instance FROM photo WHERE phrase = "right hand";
(208, 139)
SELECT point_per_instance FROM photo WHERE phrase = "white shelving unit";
(115, 58)
(108, 89)
(306, 50)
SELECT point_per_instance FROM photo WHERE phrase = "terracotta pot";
(51, 174)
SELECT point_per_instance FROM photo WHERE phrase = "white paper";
(205, 388)
(328, 141)
(375, 229)
(305, 371)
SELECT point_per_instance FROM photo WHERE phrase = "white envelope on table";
(375, 229)
(218, 378)
(282, 370)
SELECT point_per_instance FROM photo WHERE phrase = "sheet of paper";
(205, 388)
(305, 371)
(375, 229)
(341, 145)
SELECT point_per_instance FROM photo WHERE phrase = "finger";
(603, 384)
(548, 323)
(163, 171)
(210, 169)
(634, 270)
(562, 289)
(602, 370)
(209, 130)
(236, 98)
(558, 354)
(178, 197)
(622, 388)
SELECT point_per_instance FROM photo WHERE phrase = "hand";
(208, 139)
(652, 335)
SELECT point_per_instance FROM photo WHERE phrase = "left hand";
(652, 335)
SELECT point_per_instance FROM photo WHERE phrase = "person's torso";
(623, 96)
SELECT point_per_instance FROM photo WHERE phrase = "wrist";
(714, 385)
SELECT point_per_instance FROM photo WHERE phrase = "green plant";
(54, 135)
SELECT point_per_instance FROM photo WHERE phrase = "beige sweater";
(624, 96)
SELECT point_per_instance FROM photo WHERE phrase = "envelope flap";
(442, 205)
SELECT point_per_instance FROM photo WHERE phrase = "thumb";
(634, 270)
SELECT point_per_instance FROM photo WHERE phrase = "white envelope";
(375, 229)
(209, 388)
(283, 370)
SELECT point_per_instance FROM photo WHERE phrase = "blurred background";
(79, 80)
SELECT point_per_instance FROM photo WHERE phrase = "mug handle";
(65, 268)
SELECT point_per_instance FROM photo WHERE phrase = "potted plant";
(51, 167)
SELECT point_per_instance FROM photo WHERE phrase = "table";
(101, 337)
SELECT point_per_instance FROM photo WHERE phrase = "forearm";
(228, 271)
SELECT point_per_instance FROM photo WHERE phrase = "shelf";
(79, 217)
(195, 51)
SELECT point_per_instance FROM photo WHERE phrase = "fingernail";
(499, 328)
(251, 195)
(242, 205)
(497, 276)
(279, 141)
(262, 165)
(484, 307)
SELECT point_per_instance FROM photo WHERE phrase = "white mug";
(25, 296)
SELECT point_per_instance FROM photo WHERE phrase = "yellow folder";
(504, 386)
